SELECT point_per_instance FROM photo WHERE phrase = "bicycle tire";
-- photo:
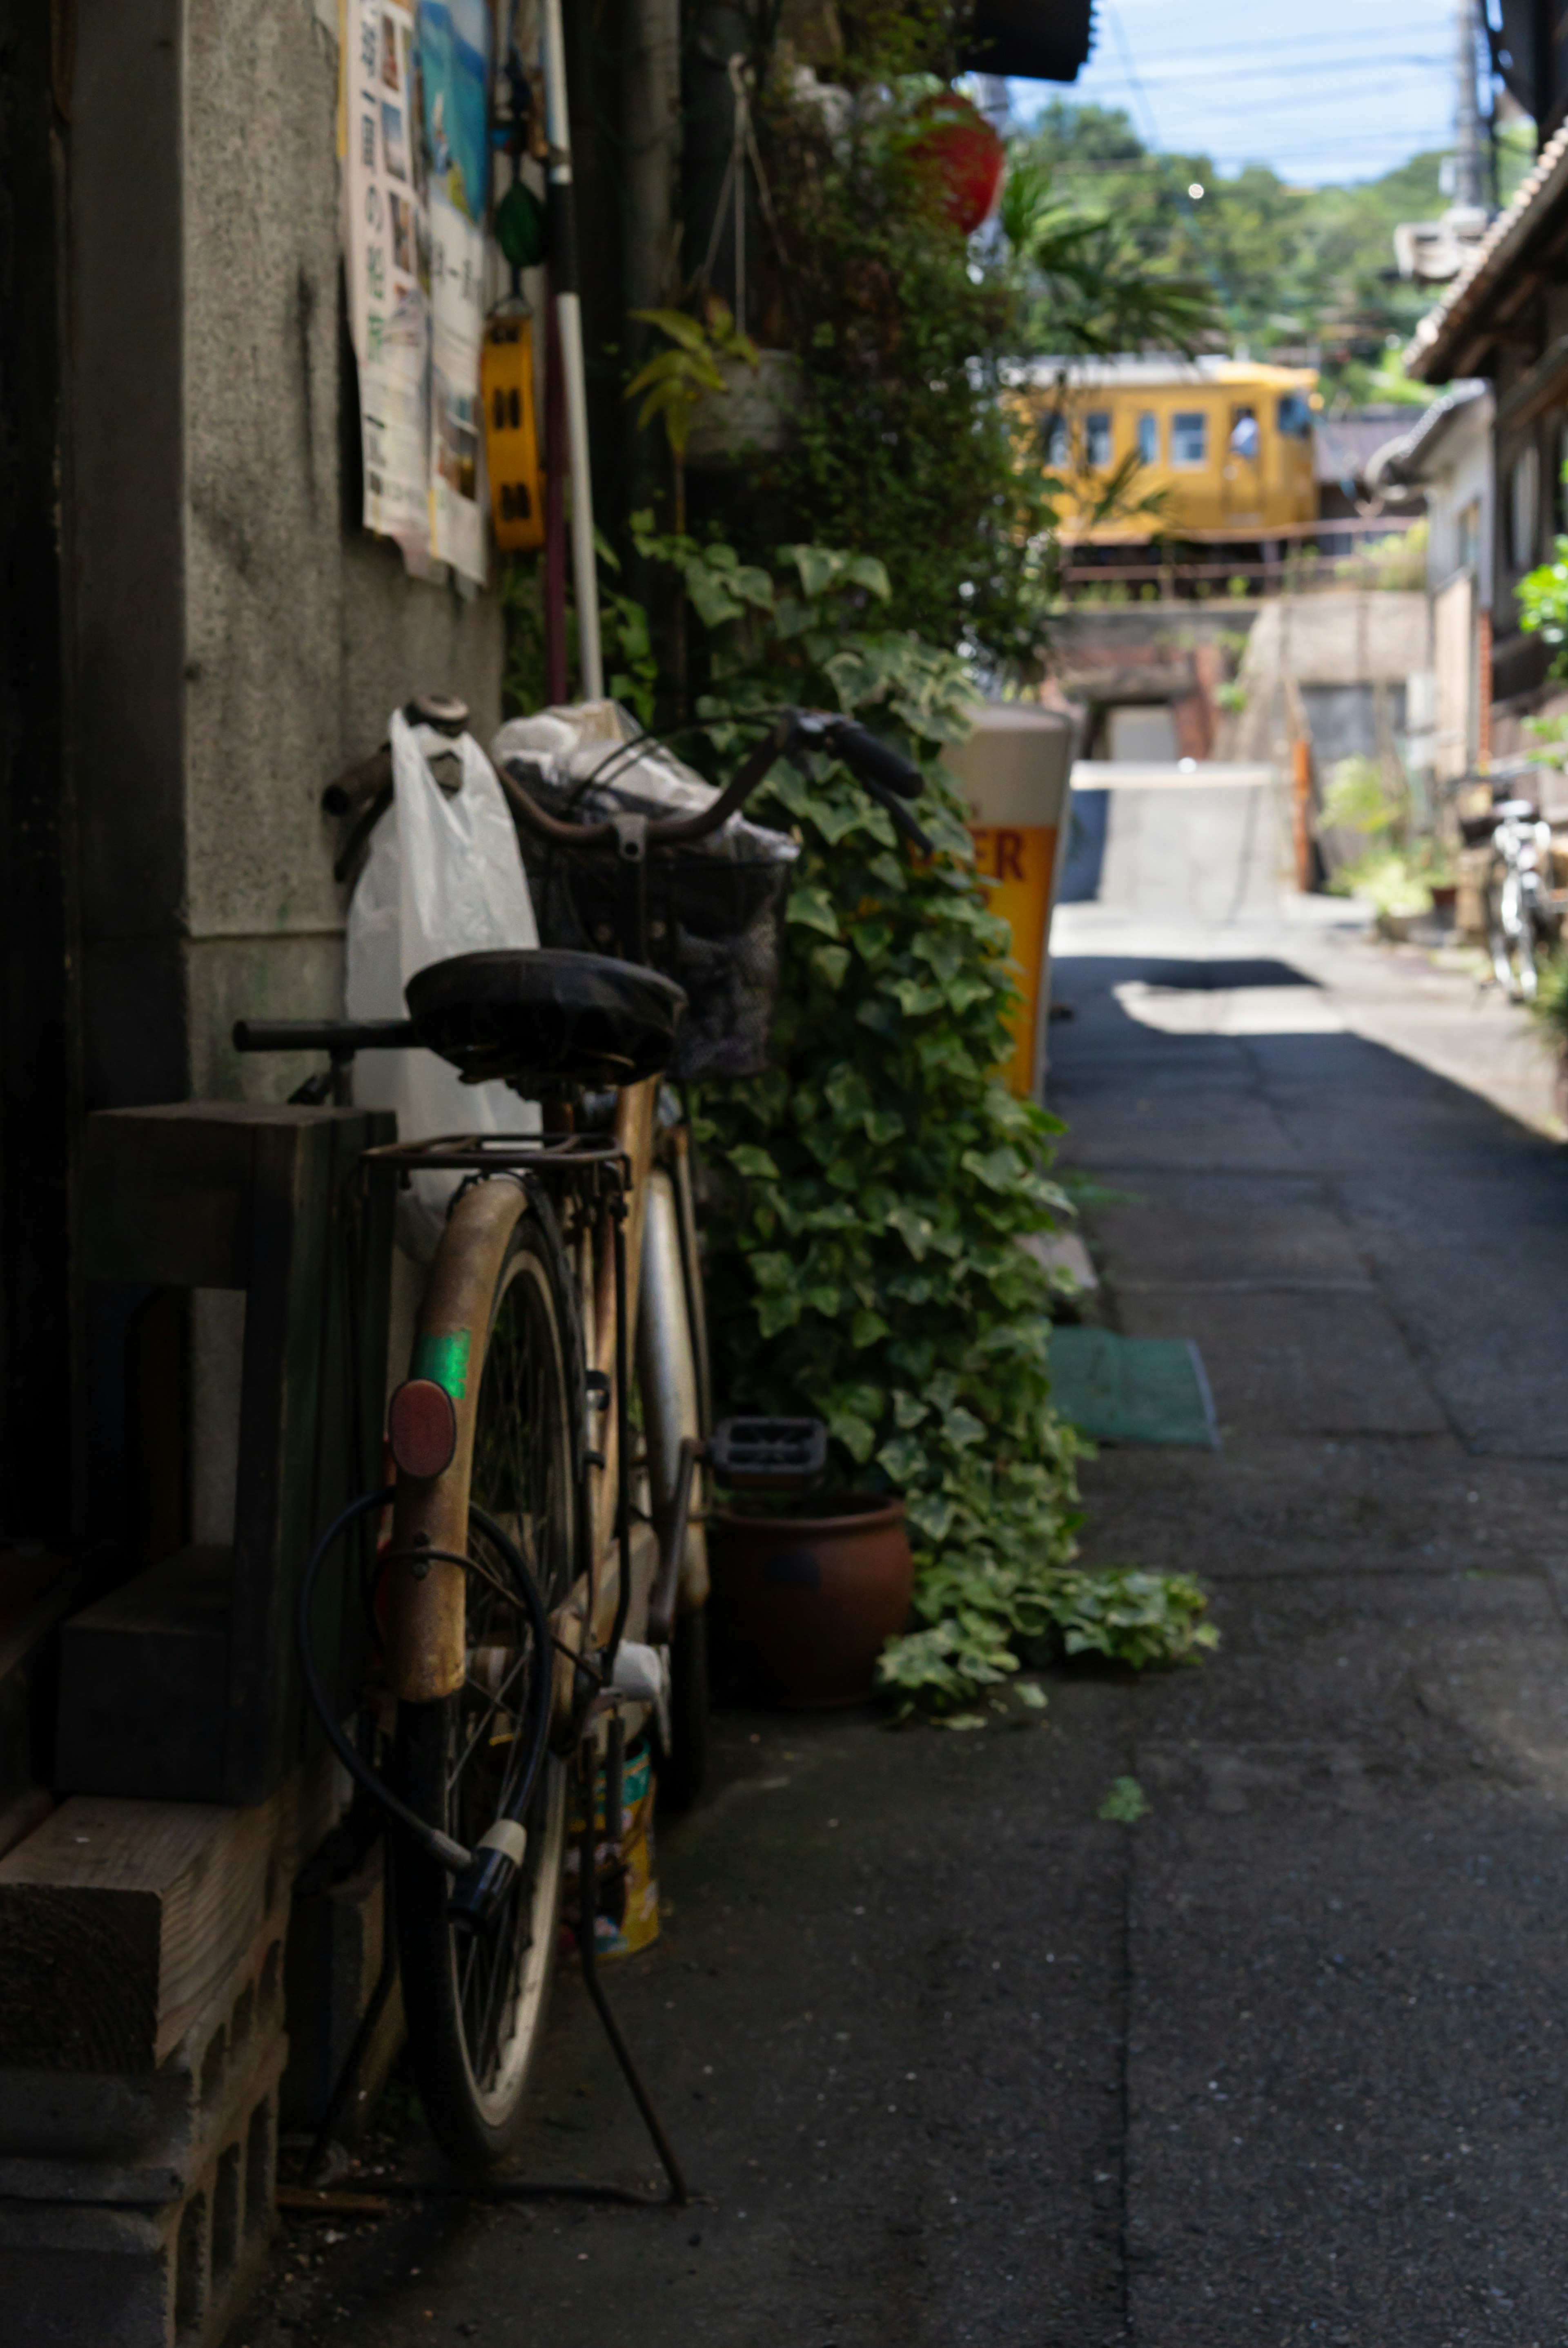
(1498, 943)
(683, 1764)
(1525, 950)
(476, 2005)
(680, 1744)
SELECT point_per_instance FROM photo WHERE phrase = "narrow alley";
(950, 2058)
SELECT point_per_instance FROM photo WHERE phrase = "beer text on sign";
(1016, 863)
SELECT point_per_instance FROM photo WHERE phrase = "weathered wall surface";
(275, 633)
(1379, 637)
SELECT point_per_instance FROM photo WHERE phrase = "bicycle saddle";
(545, 1017)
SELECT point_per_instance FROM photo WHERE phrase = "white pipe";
(569, 319)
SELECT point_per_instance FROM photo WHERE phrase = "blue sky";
(1339, 91)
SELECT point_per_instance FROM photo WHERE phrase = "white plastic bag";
(443, 877)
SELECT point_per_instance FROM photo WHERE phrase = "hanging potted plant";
(709, 357)
(962, 157)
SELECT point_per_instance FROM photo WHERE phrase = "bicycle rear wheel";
(1525, 950)
(476, 2002)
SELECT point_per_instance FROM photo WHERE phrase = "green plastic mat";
(1131, 1389)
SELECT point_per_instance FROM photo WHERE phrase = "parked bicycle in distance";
(1523, 910)
(541, 1600)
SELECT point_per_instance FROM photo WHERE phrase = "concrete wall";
(1379, 637)
(1463, 481)
(240, 638)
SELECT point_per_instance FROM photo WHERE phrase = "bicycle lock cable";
(439, 1845)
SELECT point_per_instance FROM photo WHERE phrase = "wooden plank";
(299, 1459)
(121, 1922)
(143, 1702)
(164, 1196)
(325, 2201)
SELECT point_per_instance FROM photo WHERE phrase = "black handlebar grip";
(873, 760)
(335, 1036)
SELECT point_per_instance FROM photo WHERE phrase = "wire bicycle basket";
(713, 911)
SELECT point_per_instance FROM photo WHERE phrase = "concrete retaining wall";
(240, 638)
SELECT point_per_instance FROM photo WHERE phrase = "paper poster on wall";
(454, 66)
(387, 242)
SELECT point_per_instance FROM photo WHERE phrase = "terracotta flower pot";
(809, 1601)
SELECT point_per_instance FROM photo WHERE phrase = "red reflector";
(421, 1428)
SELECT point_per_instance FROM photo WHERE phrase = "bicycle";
(536, 1618)
(1521, 907)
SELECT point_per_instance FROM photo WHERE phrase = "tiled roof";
(1401, 459)
(1445, 322)
(1342, 446)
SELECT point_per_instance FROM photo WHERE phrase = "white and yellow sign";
(1014, 771)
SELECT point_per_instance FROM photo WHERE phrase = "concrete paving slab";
(1282, 1507)
(1328, 1364)
(1218, 1229)
(1164, 1120)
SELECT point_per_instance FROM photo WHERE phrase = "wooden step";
(124, 1923)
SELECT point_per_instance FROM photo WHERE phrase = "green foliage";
(630, 666)
(876, 1185)
(1548, 1005)
(904, 445)
(676, 381)
(1550, 736)
(1292, 267)
(1543, 598)
(1397, 870)
(1356, 799)
(1394, 564)
(1125, 1803)
(1084, 285)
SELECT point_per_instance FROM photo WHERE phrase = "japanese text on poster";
(386, 238)
(413, 138)
(454, 53)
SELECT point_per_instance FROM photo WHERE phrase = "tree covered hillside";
(1301, 274)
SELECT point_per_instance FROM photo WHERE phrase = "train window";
(1056, 439)
(1244, 434)
(1190, 438)
(1097, 438)
(1294, 417)
(1148, 438)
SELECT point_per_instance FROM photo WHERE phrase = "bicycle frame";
(424, 1637)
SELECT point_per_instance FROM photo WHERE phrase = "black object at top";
(1039, 40)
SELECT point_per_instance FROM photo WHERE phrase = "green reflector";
(444, 1360)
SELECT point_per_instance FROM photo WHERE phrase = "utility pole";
(1467, 194)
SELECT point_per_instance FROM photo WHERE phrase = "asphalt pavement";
(949, 2057)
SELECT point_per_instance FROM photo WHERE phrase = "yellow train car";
(1222, 446)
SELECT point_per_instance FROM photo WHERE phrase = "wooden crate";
(183, 1684)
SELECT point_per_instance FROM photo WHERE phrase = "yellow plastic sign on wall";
(511, 438)
(1018, 861)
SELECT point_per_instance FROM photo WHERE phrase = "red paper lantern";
(964, 157)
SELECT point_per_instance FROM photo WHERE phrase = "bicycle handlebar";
(887, 775)
(340, 1038)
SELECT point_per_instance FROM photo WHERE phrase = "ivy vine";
(876, 1185)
